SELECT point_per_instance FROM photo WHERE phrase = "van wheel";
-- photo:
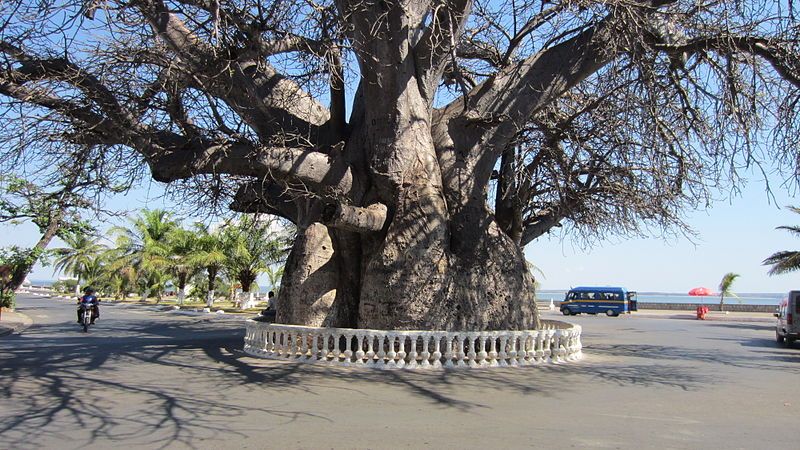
(611, 313)
(778, 338)
(565, 311)
(789, 341)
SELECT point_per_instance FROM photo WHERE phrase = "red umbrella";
(700, 291)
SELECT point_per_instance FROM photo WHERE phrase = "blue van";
(592, 300)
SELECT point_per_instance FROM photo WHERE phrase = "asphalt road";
(144, 379)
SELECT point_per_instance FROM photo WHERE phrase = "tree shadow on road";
(72, 385)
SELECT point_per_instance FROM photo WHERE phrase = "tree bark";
(181, 288)
(212, 279)
(311, 275)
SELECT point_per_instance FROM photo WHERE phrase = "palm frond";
(783, 262)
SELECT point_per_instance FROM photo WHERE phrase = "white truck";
(787, 328)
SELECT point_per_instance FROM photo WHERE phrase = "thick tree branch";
(354, 218)
(438, 40)
(479, 50)
(184, 159)
(32, 68)
(267, 101)
(540, 225)
(268, 197)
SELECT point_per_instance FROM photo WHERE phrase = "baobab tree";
(417, 144)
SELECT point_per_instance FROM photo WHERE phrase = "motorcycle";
(86, 315)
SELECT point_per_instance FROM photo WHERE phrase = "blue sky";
(734, 236)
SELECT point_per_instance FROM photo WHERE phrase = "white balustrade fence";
(555, 342)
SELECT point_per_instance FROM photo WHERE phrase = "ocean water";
(758, 298)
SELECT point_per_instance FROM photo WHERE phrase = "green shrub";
(8, 300)
(65, 286)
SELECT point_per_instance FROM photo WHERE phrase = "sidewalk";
(687, 315)
(13, 322)
(710, 316)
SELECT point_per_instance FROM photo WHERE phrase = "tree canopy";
(609, 116)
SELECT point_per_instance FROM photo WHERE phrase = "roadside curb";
(708, 318)
(188, 312)
(17, 324)
(686, 315)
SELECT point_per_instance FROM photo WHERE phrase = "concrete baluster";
(522, 350)
(546, 342)
(461, 351)
(412, 351)
(286, 350)
(303, 346)
(401, 351)
(539, 346)
(492, 353)
(472, 341)
(392, 354)
(448, 351)
(481, 356)
(360, 344)
(563, 345)
(502, 356)
(513, 349)
(382, 348)
(426, 355)
(347, 354)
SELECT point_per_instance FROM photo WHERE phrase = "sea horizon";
(745, 298)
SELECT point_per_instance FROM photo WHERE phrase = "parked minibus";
(787, 329)
(612, 301)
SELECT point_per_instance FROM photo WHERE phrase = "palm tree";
(96, 274)
(76, 258)
(725, 287)
(274, 274)
(120, 278)
(210, 254)
(182, 245)
(785, 261)
(144, 247)
(254, 244)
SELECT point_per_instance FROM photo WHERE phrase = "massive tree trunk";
(432, 264)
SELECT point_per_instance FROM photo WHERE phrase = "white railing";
(555, 342)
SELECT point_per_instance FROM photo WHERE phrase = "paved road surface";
(143, 379)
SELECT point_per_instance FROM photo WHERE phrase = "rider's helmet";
(88, 291)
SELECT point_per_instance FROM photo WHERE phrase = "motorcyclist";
(90, 299)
